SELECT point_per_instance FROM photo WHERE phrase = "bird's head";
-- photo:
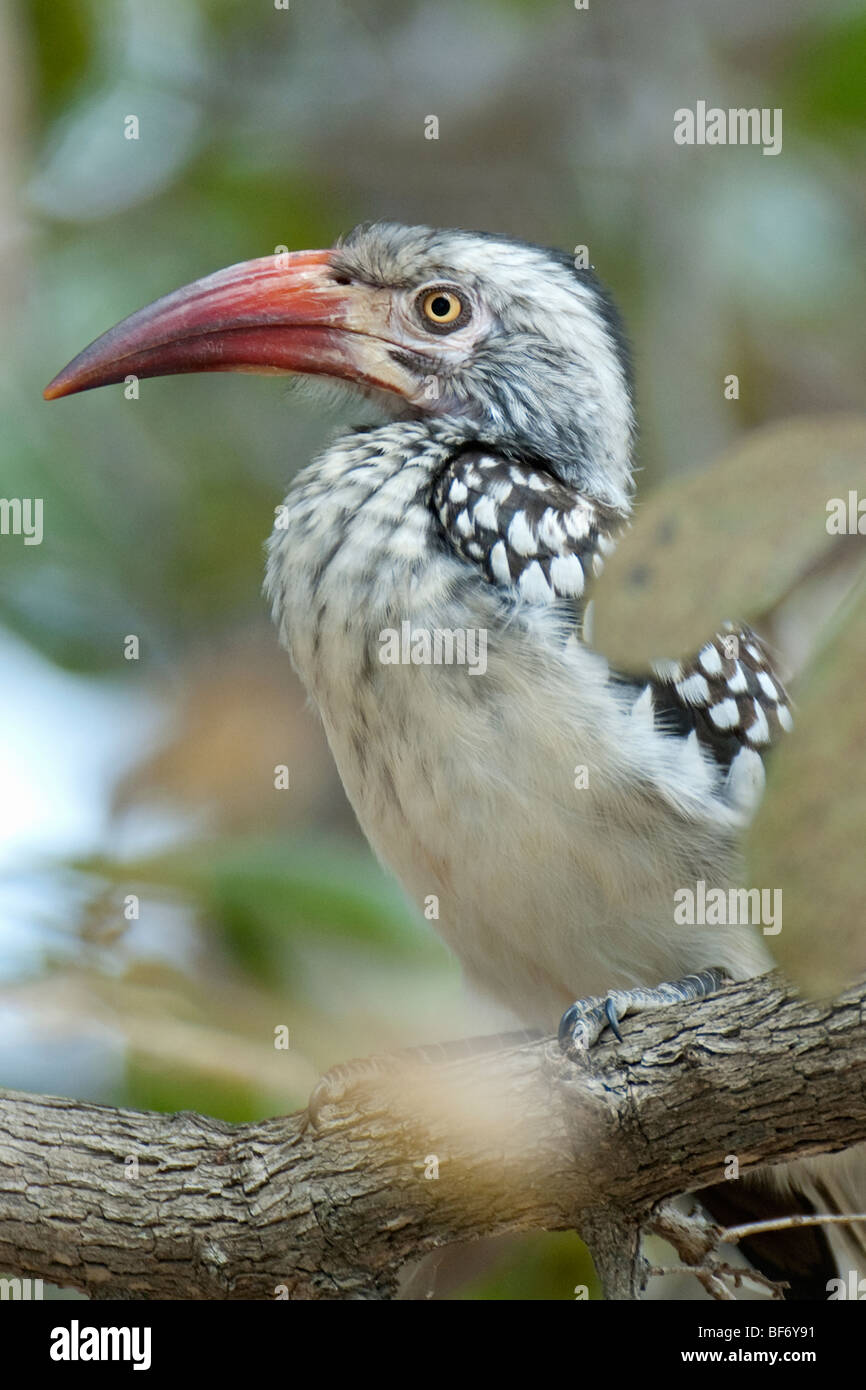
(510, 339)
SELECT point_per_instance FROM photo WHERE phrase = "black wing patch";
(728, 695)
(526, 531)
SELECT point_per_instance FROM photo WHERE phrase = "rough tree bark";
(332, 1202)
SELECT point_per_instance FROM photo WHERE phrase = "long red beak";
(282, 313)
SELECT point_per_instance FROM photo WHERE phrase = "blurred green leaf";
(548, 1267)
(825, 79)
(63, 38)
(151, 1086)
(280, 890)
(809, 837)
(729, 542)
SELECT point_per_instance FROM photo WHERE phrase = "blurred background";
(163, 908)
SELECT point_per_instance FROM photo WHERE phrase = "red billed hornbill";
(473, 521)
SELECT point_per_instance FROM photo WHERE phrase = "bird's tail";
(835, 1184)
(808, 1258)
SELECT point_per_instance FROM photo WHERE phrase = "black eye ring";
(442, 308)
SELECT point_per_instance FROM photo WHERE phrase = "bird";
(547, 804)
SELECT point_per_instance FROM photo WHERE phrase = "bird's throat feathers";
(357, 548)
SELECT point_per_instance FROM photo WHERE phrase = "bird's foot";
(583, 1023)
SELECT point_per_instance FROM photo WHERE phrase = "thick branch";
(332, 1203)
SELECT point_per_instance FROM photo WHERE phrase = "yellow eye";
(441, 307)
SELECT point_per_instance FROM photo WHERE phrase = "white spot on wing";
(500, 490)
(767, 685)
(533, 585)
(566, 575)
(668, 670)
(499, 563)
(520, 538)
(737, 682)
(710, 661)
(577, 522)
(725, 715)
(550, 531)
(759, 731)
(485, 514)
(694, 690)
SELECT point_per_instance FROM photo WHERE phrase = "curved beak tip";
(283, 314)
(56, 388)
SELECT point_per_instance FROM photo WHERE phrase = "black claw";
(567, 1024)
(612, 1017)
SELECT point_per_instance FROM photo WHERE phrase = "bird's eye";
(442, 308)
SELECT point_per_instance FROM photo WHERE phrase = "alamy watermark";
(437, 646)
(125, 1343)
(21, 1290)
(22, 516)
(851, 1287)
(732, 907)
(739, 125)
(847, 517)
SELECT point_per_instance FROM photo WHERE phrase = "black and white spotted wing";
(729, 693)
(525, 531)
(532, 536)
(728, 698)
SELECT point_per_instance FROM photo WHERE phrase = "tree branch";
(332, 1202)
